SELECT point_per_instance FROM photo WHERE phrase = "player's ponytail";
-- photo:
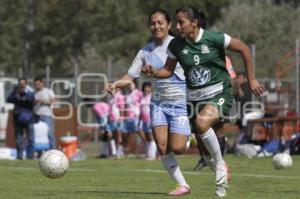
(193, 13)
(202, 19)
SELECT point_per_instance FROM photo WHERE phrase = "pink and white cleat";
(180, 191)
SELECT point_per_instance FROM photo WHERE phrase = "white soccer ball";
(282, 161)
(54, 164)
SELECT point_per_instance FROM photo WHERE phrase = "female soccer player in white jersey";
(170, 124)
(201, 54)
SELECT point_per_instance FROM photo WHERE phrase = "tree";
(12, 17)
(272, 28)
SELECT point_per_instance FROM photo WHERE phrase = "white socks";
(173, 169)
(107, 147)
(120, 151)
(112, 146)
(212, 144)
(151, 149)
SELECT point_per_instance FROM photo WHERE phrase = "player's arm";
(120, 83)
(166, 72)
(133, 72)
(239, 46)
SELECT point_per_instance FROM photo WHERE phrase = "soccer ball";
(54, 164)
(282, 161)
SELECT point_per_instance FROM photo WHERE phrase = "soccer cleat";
(150, 158)
(221, 191)
(103, 156)
(193, 141)
(204, 162)
(180, 191)
(200, 165)
(223, 177)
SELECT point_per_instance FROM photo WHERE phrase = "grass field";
(136, 178)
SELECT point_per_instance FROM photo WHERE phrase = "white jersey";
(168, 89)
(45, 95)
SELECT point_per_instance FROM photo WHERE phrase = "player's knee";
(178, 150)
(202, 125)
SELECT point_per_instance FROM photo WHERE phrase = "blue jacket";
(22, 101)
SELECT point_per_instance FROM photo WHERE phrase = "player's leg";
(168, 159)
(178, 139)
(160, 135)
(179, 134)
(116, 134)
(205, 119)
(204, 153)
(218, 128)
(206, 159)
(118, 138)
(104, 151)
(131, 128)
(102, 136)
(160, 130)
(151, 148)
(111, 143)
(140, 131)
(19, 140)
(124, 133)
(30, 141)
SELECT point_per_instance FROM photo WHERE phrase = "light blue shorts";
(145, 126)
(172, 114)
(103, 123)
(114, 126)
(130, 126)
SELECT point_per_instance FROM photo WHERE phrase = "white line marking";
(208, 174)
(163, 171)
(36, 168)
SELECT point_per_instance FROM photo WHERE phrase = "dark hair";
(145, 84)
(22, 79)
(193, 13)
(39, 78)
(161, 11)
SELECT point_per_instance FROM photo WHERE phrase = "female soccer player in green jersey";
(201, 53)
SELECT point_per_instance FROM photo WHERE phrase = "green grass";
(135, 178)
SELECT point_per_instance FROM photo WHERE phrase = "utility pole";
(253, 52)
(297, 54)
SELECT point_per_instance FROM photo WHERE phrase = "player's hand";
(149, 70)
(110, 87)
(256, 87)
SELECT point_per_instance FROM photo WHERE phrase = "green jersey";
(203, 62)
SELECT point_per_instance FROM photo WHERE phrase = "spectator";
(23, 99)
(44, 99)
(242, 93)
